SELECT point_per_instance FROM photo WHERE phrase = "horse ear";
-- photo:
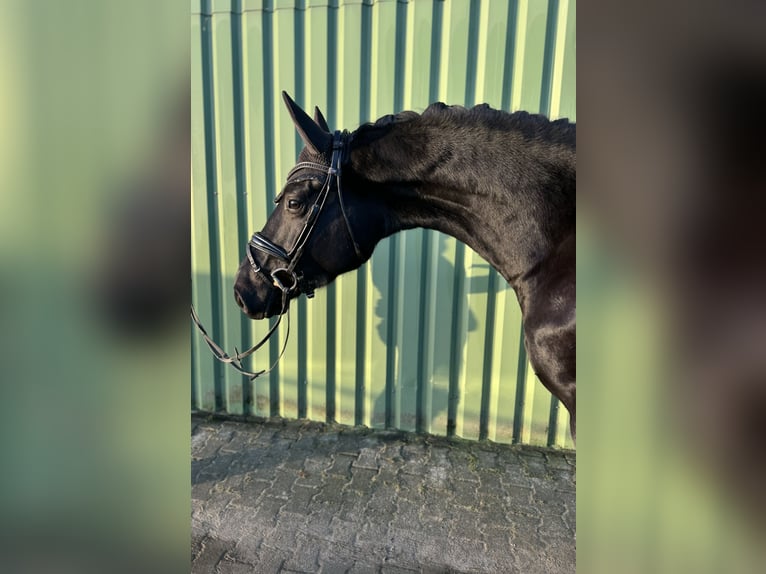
(319, 119)
(315, 138)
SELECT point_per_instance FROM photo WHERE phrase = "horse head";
(319, 229)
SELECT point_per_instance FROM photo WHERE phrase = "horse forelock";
(308, 155)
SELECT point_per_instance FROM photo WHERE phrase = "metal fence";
(425, 336)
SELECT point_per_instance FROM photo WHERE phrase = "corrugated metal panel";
(425, 336)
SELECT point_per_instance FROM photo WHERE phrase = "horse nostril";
(239, 300)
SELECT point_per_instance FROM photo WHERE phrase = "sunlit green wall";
(426, 332)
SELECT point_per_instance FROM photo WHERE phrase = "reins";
(286, 279)
(236, 360)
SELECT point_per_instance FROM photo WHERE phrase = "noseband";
(285, 278)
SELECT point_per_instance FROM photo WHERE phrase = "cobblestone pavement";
(297, 496)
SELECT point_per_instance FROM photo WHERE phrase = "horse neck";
(508, 198)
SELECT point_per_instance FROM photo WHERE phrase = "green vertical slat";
(434, 385)
(505, 361)
(456, 83)
(259, 163)
(531, 89)
(317, 94)
(551, 26)
(476, 271)
(349, 78)
(443, 414)
(228, 225)
(510, 60)
(284, 379)
(529, 52)
(424, 399)
(258, 169)
(487, 393)
(203, 370)
(382, 100)
(511, 366)
(391, 316)
(439, 416)
(493, 38)
(243, 204)
(428, 403)
(562, 104)
(553, 418)
(540, 400)
(211, 198)
(563, 89)
(332, 292)
(300, 381)
(520, 409)
(362, 318)
(406, 340)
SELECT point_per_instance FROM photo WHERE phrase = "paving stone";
(305, 558)
(352, 506)
(211, 552)
(407, 514)
(318, 522)
(252, 489)
(344, 531)
(367, 459)
(549, 504)
(392, 569)
(316, 464)
(247, 549)
(334, 564)
(469, 525)
(341, 464)
(229, 566)
(202, 446)
(386, 477)
(434, 526)
(295, 496)
(268, 561)
(361, 567)
(299, 499)
(381, 505)
(362, 480)
(465, 493)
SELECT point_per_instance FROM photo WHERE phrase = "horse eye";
(294, 204)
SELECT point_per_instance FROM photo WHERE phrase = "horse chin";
(272, 308)
(256, 316)
(258, 305)
(262, 314)
(271, 312)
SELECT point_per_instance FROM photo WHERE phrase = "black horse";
(502, 183)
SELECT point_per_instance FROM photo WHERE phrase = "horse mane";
(531, 126)
(460, 147)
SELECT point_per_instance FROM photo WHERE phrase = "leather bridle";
(285, 278)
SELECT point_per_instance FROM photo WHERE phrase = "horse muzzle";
(262, 303)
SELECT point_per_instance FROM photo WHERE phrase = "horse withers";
(504, 184)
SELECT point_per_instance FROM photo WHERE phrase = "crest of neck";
(508, 194)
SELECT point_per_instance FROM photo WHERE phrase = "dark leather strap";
(236, 360)
(262, 244)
